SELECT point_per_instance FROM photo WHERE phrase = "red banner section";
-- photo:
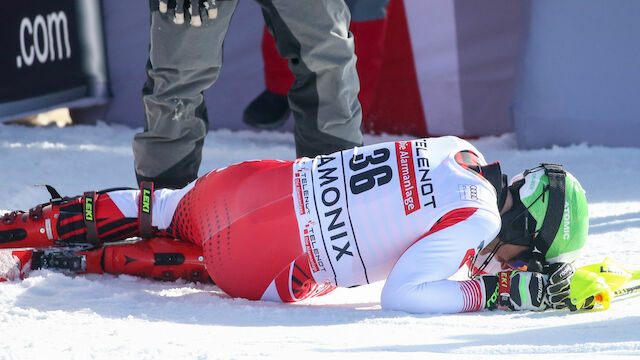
(407, 177)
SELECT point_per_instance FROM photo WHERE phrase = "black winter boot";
(267, 111)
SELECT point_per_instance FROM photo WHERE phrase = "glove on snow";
(199, 10)
(515, 290)
(559, 280)
(560, 275)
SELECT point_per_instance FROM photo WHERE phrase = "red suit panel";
(243, 217)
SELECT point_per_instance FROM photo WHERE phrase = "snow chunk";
(9, 266)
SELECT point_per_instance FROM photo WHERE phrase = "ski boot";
(38, 227)
(83, 221)
(158, 258)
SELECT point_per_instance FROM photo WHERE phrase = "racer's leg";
(241, 216)
(244, 219)
(90, 219)
(159, 258)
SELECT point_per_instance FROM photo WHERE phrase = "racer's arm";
(418, 282)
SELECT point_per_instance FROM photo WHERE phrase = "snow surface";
(50, 315)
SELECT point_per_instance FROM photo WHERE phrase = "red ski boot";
(83, 221)
(159, 258)
(37, 228)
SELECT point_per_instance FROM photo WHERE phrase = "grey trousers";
(184, 61)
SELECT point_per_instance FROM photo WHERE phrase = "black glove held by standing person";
(198, 10)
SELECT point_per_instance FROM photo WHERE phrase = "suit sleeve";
(418, 282)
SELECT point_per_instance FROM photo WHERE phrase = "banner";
(52, 56)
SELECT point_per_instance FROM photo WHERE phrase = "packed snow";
(50, 315)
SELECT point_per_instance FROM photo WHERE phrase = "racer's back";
(359, 210)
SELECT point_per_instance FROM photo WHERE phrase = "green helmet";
(557, 202)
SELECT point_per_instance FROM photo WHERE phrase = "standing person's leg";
(277, 76)
(270, 109)
(368, 25)
(314, 36)
(183, 62)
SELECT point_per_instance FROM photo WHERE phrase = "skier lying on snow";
(410, 212)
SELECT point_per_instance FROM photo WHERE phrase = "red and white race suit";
(407, 212)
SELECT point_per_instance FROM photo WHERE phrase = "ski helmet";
(556, 201)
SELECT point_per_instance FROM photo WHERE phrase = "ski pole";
(627, 291)
(603, 281)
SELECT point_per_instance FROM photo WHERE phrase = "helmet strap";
(555, 209)
(515, 234)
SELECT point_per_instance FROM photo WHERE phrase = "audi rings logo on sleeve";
(468, 192)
